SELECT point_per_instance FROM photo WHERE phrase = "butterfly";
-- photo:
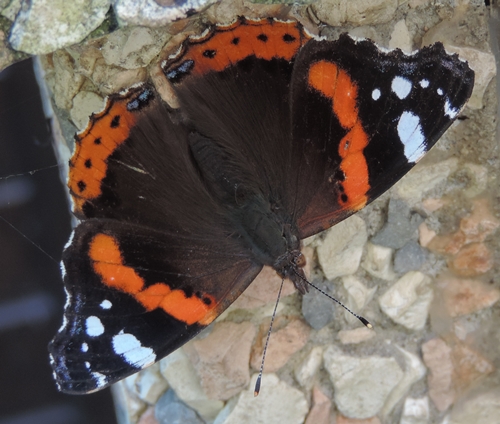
(278, 135)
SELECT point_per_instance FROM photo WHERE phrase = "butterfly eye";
(300, 260)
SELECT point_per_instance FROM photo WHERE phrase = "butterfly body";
(277, 136)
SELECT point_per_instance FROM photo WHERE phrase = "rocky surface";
(420, 263)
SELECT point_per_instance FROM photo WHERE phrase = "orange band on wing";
(107, 262)
(226, 45)
(335, 84)
(105, 132)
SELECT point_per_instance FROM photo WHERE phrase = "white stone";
(400, 37)
(277, 403)
(414, 371)
(359, 12)
(132, 351)
(182, 378)
(340, 251)
(362, 384)
(151, 13)
(408, 301)
(133, 48)
(484, 66)
(127, 403)
(307, 370)
(43, 26)
(378, 262)
(421, 179)
(416, 411)
(483, 408)
(356, 335)
(84, 104)
(358, 296)
(149, 384)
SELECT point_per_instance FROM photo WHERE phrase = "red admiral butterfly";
(278, 136)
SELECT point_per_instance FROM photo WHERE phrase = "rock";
(277, 403)
(180, 374)
(317, 309)
(453, 370)
(128, 406)
(478, 179)
(148, 417)
(473, 259)
(449, 244)
(43, 26)
(221, 359)
(340, 251)
(171, 410)
(416, 411)
(482, 408)
(358, 296)
(423, 179)
(400, 37)
(437, 357)
(112, 79)
(400, 228)
(358, 12)
(407, 302)
(462, 297)
(321, 408)
(133, 47)
(480, 223)
(307, 370)
(362, 385)
(425, 234)
(378, 262)
(411, 257)
(84, 104)
(283, 344)
(64, 82)
(149, 384)
(414, 371)
(357, 335)
(345, 420)
(155, 12)
(263, 290)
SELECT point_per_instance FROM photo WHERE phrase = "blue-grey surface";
(171, 410)
(410, 257)
(317, 308)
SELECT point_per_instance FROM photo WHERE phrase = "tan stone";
(448, 244)
(357, 335)
(473, 259)
(321, 408)
(437, 357)
(345, 420)
(469, 365)
(463, 297)
(480, 224)
(425, 234)
(221, 359)
(282, 345)
(148, 417)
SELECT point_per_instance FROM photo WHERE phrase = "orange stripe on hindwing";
(107, 262)
(335, 84)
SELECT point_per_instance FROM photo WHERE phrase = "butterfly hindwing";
(363, 117)
(135, 294)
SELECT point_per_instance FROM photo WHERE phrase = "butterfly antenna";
(365, 322)
(259, 377)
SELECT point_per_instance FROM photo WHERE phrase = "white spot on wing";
(130, 348)
(376, 94)
(424, 83)
(68, 299)
(449, 110)
(87, 365)
(106, 304)
(401, 87)
(440, 91)
(94, 326)
(63, 269)
(85, 347)
(100, 379)
(411, 135)
(68, 243)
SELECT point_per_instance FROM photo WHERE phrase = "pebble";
(317, 309)
(473, 259)
(483, 407)
(411, 257)
(308, 368)
(362, 384)
(415, 411)
(171, 410)
(358, 335)
(358, 296)
(378, 262)
(321, 408)
(407, 302)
